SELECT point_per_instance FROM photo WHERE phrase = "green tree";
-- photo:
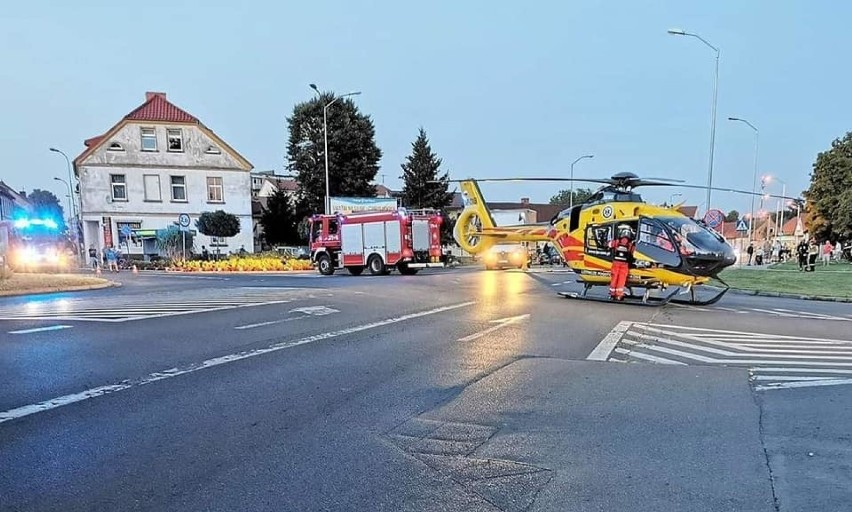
(563, 197)
(279, 221)
(425, 186)
(830, 193)
(732, 216)
(46, 204)
(353, 157)
(170, 242)
(220, 224)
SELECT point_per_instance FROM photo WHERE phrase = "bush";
(248, 263)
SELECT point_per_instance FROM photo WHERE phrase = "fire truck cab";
(378, 241)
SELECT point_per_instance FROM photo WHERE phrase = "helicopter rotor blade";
(737, 191)
(665, 180)
(498, 180)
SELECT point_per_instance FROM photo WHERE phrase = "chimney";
(525, 201)
(150, 95)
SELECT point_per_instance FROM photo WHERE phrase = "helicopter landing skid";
(633, 300)
(693, 301)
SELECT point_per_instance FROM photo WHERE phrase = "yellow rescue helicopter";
(671, 249)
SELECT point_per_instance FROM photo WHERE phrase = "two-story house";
(12, 203)
(157, 163)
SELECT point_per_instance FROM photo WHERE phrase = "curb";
(45, 291)
(759, 293)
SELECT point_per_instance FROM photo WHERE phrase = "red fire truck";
(378, 241)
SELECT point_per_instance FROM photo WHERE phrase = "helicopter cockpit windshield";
(694, 239)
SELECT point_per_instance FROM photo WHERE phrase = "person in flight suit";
(622, 253)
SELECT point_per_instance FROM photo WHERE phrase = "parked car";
(295, 252)
(506, 256)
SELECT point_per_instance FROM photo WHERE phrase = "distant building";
(12, 202)
(265, 184)
(156, 163)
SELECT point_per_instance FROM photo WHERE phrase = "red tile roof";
(94, 141)
(789, 227)
(689, 211)
(157, 108)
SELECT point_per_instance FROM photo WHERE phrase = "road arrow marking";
(315, 310)
(502, 322)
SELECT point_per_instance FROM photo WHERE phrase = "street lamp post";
(571, 200)
(754, 178)
(681, 32)
(327, 205)
(76, 216)
(671, 198)
(70, 199)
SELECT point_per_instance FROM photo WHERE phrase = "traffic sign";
(714, 218)
(126, 230)
(183, 220)
(742, 225)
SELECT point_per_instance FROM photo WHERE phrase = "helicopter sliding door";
(655, 244)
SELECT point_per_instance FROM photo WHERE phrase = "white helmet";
(625, 230)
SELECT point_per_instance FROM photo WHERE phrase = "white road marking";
(604, 348)
(271, 322)
(54, 403)
(502, 322)
(41, 329)
(802, 384)
(557, 284)
(315, 310)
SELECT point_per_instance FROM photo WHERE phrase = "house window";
(174, 139)
(119, 187)
(115, 146)
(152, 187)
(149, 139)
(214, 190)
(212, 150)
(178, 188)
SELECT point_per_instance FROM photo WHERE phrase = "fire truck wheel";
(376, 265)
(324, 265)
(355, 271)
(406, 270)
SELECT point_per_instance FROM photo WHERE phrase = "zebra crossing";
(777, 312)
(151, 306)
(774, 361)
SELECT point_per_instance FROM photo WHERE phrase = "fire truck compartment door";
(374, 239)
(420, 234)
(393, 238)
(352, 239)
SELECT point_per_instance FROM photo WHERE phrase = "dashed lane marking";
(54, 403)
(41, 329)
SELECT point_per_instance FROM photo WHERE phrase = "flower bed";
(244, 264)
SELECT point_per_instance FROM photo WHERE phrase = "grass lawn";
(21, 284)
(832, 281)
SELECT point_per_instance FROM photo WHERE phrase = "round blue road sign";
(714, 218)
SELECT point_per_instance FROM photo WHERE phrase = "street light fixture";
(327, 206)
(571, 200)
(754, 178)
(76, 216)
(681, 32)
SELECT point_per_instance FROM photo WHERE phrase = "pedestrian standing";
(622, 253)
(750, 252)
(827, 249)
(112, 259)
(813, 252)
(93, 257)
(802, 254)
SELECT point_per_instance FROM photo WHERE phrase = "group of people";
(807, 253)
(109, 258)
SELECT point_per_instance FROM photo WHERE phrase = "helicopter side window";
(598, 238)
(656, 244)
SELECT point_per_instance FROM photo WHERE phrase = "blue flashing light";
(28, 223)
(22, 223)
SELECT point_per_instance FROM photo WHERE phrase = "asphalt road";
(452, 390)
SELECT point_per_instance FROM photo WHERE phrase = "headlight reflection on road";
(507, 288)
